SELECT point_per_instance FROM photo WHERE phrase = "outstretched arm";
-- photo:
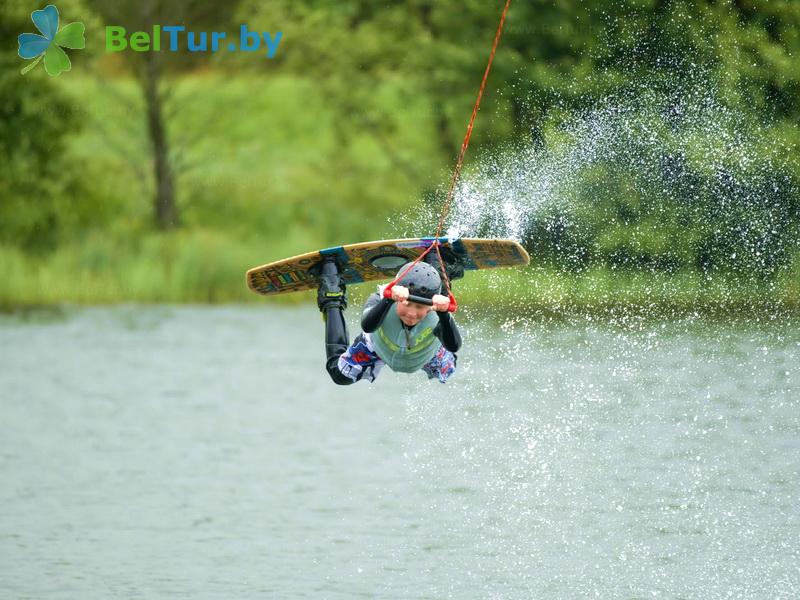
(374, 312)
(447, 332)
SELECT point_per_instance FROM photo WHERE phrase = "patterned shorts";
(360, 361)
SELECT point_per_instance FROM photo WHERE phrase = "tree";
(150, 69)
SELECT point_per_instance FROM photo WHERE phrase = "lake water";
(166, 452)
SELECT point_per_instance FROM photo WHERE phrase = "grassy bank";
(205, 266)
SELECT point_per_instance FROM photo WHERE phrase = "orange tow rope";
(387, 292)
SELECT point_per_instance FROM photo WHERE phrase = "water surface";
(160, 452)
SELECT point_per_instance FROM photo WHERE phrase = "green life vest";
(406, 349)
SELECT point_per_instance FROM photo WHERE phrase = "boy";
(405, 334)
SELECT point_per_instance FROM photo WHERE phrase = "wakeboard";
(373, 261)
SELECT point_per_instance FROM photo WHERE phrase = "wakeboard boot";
(331, 292)
(332, 300)
(452, 266)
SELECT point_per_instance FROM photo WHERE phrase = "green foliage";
(362, 112)
(35, 173)
(673, 182)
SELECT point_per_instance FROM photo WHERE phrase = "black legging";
(336, 342)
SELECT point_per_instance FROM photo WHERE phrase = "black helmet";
(422, 281)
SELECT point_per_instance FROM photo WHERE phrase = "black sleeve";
(374, 311)
(447, 332)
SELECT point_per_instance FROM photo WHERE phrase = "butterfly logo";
(49, 45)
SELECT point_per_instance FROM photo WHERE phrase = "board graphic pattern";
(372, 261)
